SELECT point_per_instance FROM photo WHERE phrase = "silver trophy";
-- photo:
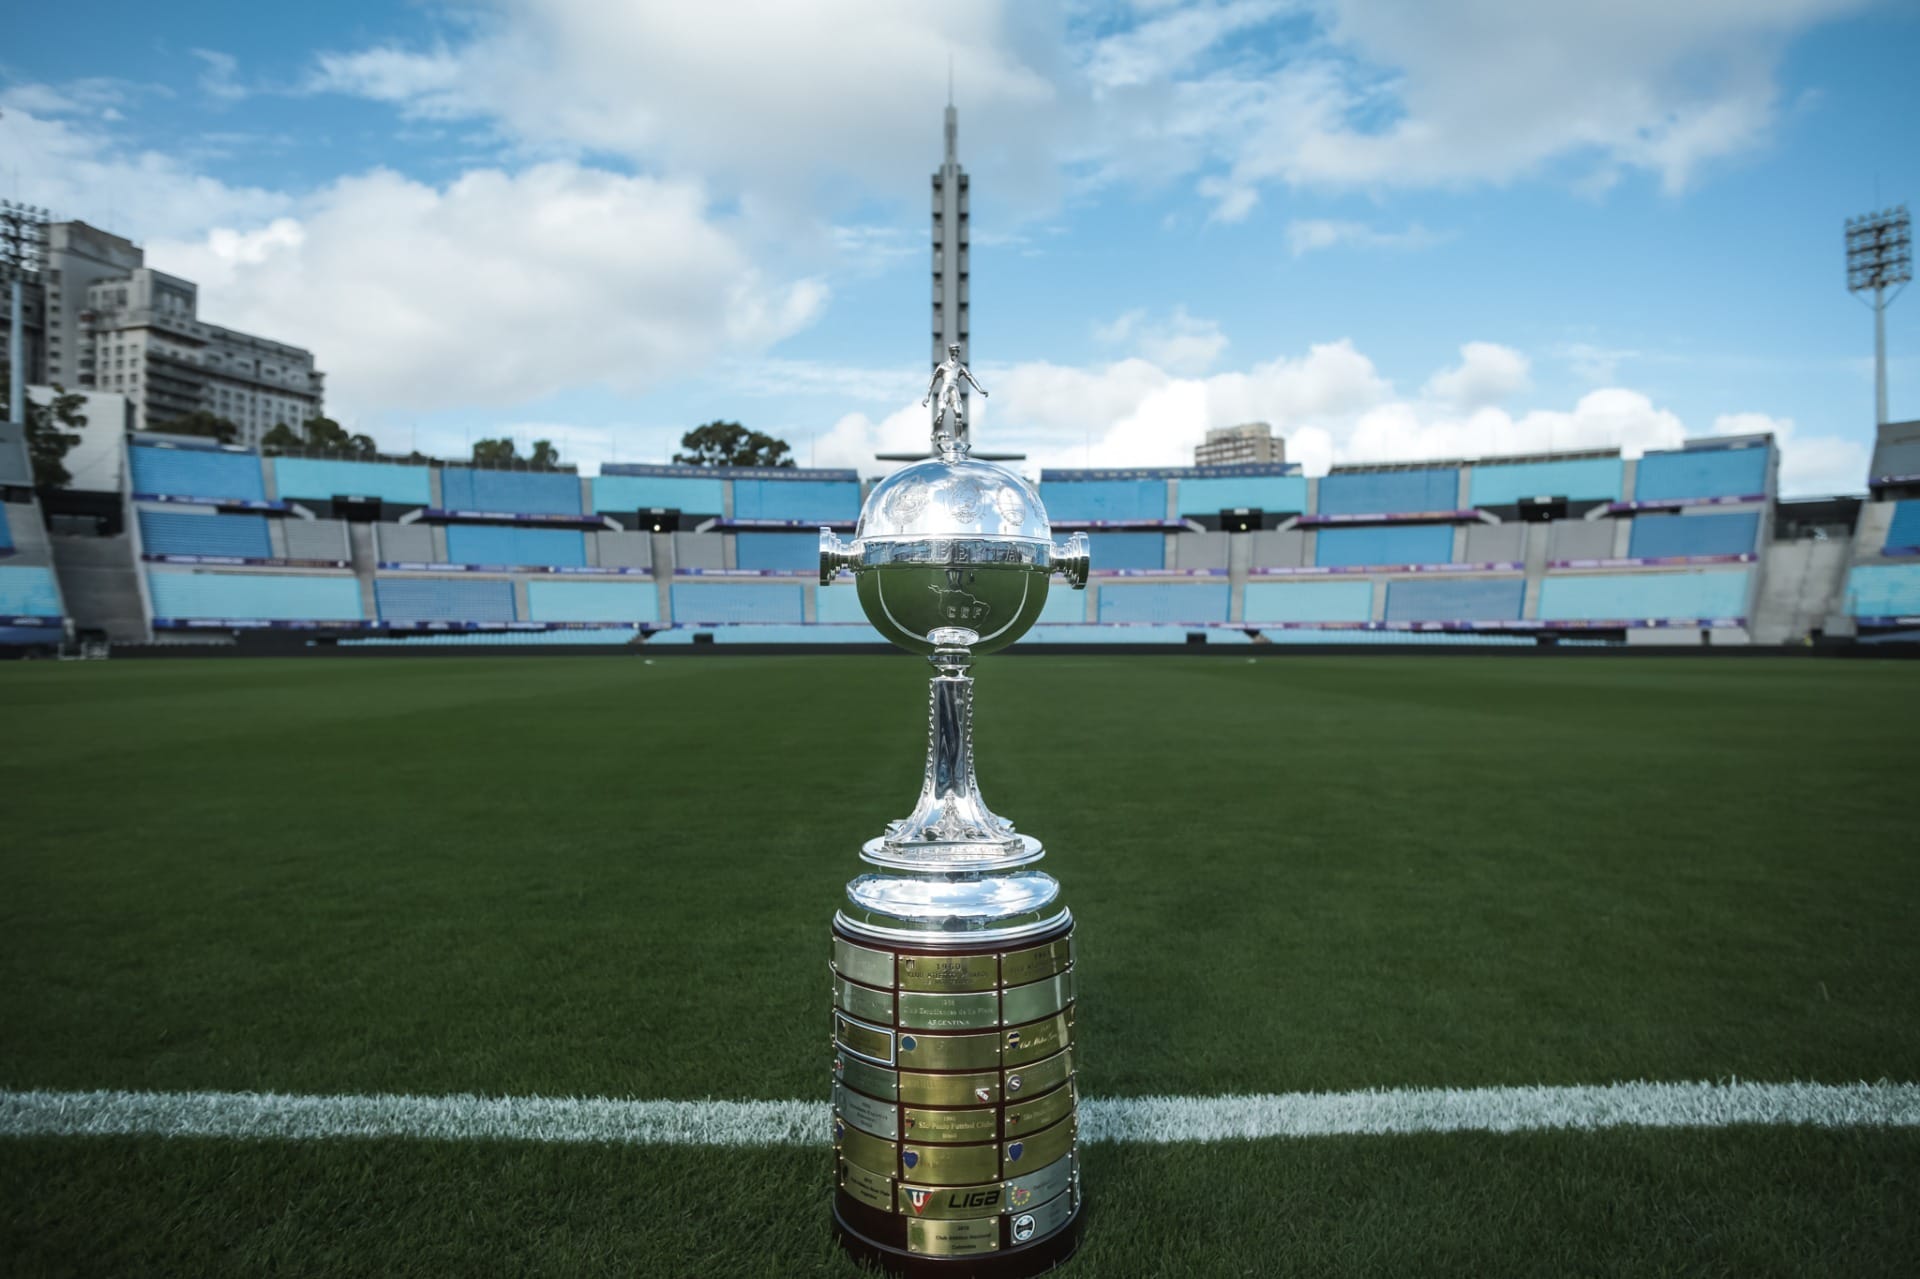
(955, 1103)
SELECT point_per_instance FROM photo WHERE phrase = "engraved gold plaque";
(1038, 1223)
(953, 1125)
(949, 1090)
(1023, 966)
(1037, 1187)
(950, 1012)
(953, 1203)
(1025, 1117)
(1036, 999)
(872, 967)
(953, 1238)
(1035, 1040)
(877, 1117)
(1031, 1081)
(949, 1052)
(867, 1150)
(875, 1081)
(949, 1165)
(949, 972)
(1041, 1148)
(870, 1042)
(870, 1188)
(858, 1001)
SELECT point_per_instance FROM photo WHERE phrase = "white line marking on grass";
(276, 1116)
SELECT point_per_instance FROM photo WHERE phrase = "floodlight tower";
(1880, 257)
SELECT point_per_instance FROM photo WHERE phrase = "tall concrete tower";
(950, 249)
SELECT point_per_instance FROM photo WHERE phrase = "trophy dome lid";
(954, 496)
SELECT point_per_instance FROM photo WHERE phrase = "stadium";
(1493, 863)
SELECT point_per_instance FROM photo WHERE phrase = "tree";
(47, 444)
(319, 433)
(731, 444)
(202, 423)
(544, 457)
(494, 452)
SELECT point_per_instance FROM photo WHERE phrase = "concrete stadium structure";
(1687, 546)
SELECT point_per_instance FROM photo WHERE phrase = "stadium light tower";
(1880, 257)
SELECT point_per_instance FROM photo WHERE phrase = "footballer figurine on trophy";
(954, 1093)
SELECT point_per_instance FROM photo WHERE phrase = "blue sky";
(1395, 229)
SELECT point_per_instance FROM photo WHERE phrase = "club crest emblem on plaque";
(1023, 1226)
(1014, 1081)
(1019, 1196)
(911, 1158)
(983, 1094)
(918, 1198)
(1014, 1151)
(1013, 1039)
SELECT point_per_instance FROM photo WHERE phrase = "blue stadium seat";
(1350, 600)
(511, 544)
(1128, 550)
(1389, 492)
(321, 479)
(1577, 479)
(1169, 602)
(737, 602)
(6, 531)
(1696, 473)
(513, 492)
(509, 639)
(813, 501)
(1101, 633)
(1873, 590)
(1903, 532)
(1383, 544)
(177, 533)
(778, 552)
(1213, 494)
(694, 494)
(1070, 501)
(1660, 536)
(841, 602)
(1456, 599)
(566, 601)
(1645, 596)
(189, 472)
(444, 599)
(28, 592)
(254, 596)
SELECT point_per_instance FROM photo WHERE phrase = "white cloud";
(495, 289)
(72, 168)
(1310, 235)
(218, 78)
(1487, 374)
(1180, 343)
(1592, 363)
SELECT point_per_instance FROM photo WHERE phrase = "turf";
(598, 876)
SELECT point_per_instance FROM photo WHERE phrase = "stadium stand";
(323, 480)
(1705, 470)
(807, 501)
(1576, 479)
(181, 533)
(1092, 501)
(510, 492)
(6, 529)
(1903, 530)
(623, 550)
(1278, 548)
(1093, 633)
(592, 601)
(1209, 495)
(1066, 606)
(406, 544)
(1388, 493)
(841, 603)
(1496, 544)
(1874, 590)
(1114, 552)
(1580, 540)
(513, 545)
(1211, 551)
(1649, 596)
(184, 595)
(777, 552)
(1167, 602)
(584, 637)
(316, 540)
(707, 602)
(444, 599)
(28, 591)
(1456, 599)
(1663, 536)
(168, 470)
(1343, 601)
(704, 551)
(691, 494)
(1379, 545)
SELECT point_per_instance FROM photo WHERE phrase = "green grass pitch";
(601, 877)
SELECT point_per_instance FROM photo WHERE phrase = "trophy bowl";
(957, 543)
